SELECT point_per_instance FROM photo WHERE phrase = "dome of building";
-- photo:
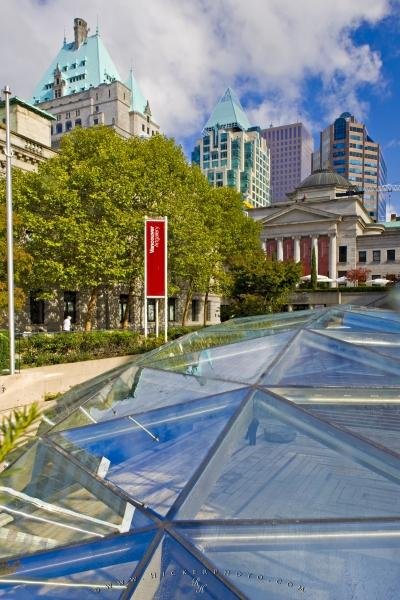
(325, 178)
(254, 459)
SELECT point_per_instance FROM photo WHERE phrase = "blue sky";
(286, 59)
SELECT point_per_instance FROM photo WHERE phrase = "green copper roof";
(81, 68)
(228, 113)
(138, 101)
(25, 104)
(391, 224)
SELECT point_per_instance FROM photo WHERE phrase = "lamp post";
(9, 218)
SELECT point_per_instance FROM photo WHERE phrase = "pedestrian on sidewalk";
(67, 323)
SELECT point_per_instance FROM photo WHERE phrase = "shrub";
(56, 348)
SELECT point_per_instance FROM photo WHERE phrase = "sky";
(287, 60)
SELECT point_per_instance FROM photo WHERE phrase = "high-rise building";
(291, 147)
(82, 88)
(346, 147)
(232, 153)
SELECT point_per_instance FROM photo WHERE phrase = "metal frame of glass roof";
(256, 458)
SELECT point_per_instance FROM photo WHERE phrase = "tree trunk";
(187, 302)
(205, 305)
(91, 307)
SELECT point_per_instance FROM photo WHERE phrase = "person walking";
(67, 323)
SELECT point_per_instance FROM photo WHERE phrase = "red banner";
(155, 258)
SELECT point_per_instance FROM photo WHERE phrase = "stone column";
(296, 249)
(279, 249)
(314, 244)
(264, 246)
(332, 259)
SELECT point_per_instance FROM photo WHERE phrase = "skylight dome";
(259, 458)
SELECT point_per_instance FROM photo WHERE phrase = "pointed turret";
(138, 101)
(228, 113)
(84, 63)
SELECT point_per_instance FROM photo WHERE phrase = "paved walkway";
(32, 385)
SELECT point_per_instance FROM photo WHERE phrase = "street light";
(9, 218)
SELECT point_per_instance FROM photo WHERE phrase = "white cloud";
(185, 53)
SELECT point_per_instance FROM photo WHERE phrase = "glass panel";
(387, 343)
(316, 561)
(47, 501)
(359, 320)
(153, 455)
(150, 389)
(279, 462)
(174, 572)
(114, 384)
(243, 361)
(318, 360)
(98, 569)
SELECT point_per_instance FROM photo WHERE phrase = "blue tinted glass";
(176, 573)
(305, 560)
(153, 455)
(242, 361)
(279, 462)
(47, 501)
(149, 389)
(320, 360)
(100, 569)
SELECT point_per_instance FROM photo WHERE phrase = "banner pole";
(145, 278)
(166, 281)
(157, 321)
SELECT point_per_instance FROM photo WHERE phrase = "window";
(36, 309)
(68, 126)
(342, 254)
(68, 115)
(95, 121)
(70, 305)
(391, 255)
(362, 256)
(59, 128)
(171, 309)
(148, 131)
(97, 109)
(151, 310)
(376, 256)
(78, 123)
(58, 117)
(123, 307)
(77, 112)
(195, 310)
(143, 128)
(148, 119)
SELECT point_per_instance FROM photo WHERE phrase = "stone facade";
(30, 132)
(319, 214)
(48, 315)
(83, 88)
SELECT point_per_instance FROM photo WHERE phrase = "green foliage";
(22, 260)
(49, 349)
(314, 274)
(16, 429)
(84, 212)
(261, 285)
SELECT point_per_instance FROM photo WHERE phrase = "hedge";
(55, 348)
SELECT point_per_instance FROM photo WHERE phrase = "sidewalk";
(32, 385)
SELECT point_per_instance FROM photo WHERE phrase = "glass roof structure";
(259, 458)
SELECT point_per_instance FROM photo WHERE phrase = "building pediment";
(300, 214)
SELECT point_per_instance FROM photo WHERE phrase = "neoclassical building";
(325, 213)
(30, 133)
